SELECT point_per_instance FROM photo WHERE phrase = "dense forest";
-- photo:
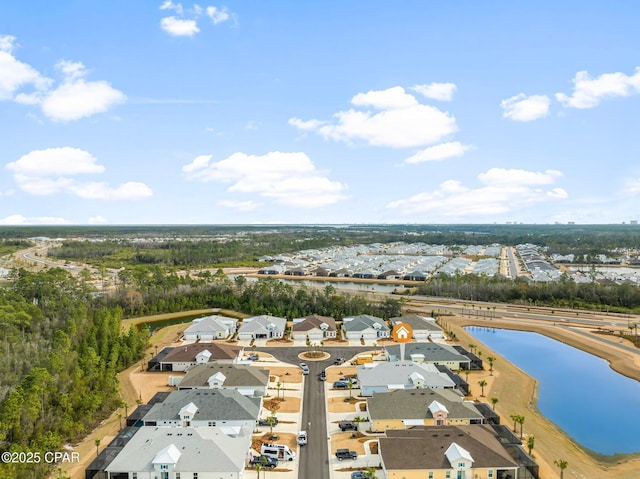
(60, 356)
(623, 298)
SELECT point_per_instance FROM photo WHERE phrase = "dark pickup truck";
(265, 461)
(346, 425)
(346, 454)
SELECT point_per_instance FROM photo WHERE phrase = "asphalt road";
(314, 457)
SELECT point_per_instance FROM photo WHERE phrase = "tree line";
(60, 356)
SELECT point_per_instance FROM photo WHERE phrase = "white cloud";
(402, 121)
(179, 27)
(525, 108)
(588, 91)
(102, 191)
(439, 152)
(50, 171)
(73, 99)
(218, 15)
(289, 178)
(39, 220)
(56, 161)
(15, 74)
(437, 91)
(239, 205)
(503, 191)
(97, 220)
(169, 5)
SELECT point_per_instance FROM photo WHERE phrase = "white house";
(185, 452)
(262, 327)
(314, 328)
(210, 328)
(365, 326)
(382, 377)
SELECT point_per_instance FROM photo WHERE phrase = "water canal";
(596, 406)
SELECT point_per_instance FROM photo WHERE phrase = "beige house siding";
(474, 473)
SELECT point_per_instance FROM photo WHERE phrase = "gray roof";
(236, 375)
(424, 448)
(362, 322)
(314, 321)
(415, 404)
(210, 324)
(399, 374)
(433, 352)
(417, 322)
(212, 404)
(201, 449)
(261, 324)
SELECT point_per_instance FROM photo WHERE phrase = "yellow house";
(449, 452)
(401, 409)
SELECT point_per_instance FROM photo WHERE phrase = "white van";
(281, 452)
(302, 438)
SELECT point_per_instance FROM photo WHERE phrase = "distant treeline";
(201, 246)
(624, 298)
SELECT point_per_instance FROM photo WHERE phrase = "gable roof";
(399, 374)
(416, 322)
(455, 453)
(364, 321)
(433, 352)
(211, 404)
(423, 447)
(415, 404)
(188, 352)
(201, 449)
(262, 324)
(314, 321)
(236, 375)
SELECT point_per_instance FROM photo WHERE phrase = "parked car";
(340, 385)
(265, 461)
(354, 381)
(265, 422)
(339, 361)
(253, 357)
(305, 368)
(346, 454)
(358, 475)
(323, 376)
(348, 425)
(302, 438)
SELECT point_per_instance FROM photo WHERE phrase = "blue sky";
(157, 112)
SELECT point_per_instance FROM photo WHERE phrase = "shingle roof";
(188, 352)
(202, 449)
(209, 324)
(314, 321)
(364, 321)
(414, 404)
(396, 373)
(433, 352)
(235, 375)
(416, 322)
(211, 404)
(424, 447)
(261, 324)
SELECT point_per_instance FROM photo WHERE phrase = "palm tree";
(278, 390)
(530, 443)
(562, 464)
(514, 418)
(271, 420)
(371, 473)
(491, 359)
(494, 401)
(482, 383)
(258, 468)
(97, 443)
(350, 384)
(520, 421)
(472, 347)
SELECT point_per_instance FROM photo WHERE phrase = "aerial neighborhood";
(264, 393)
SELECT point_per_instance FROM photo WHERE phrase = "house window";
(447, 475)
(212, 423)
(430, 474)
(461, 465)
(164, 467)
(134, 475)
(195, 475)
(177, 475)
(490, 473)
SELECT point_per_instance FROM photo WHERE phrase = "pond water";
(579, 392)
